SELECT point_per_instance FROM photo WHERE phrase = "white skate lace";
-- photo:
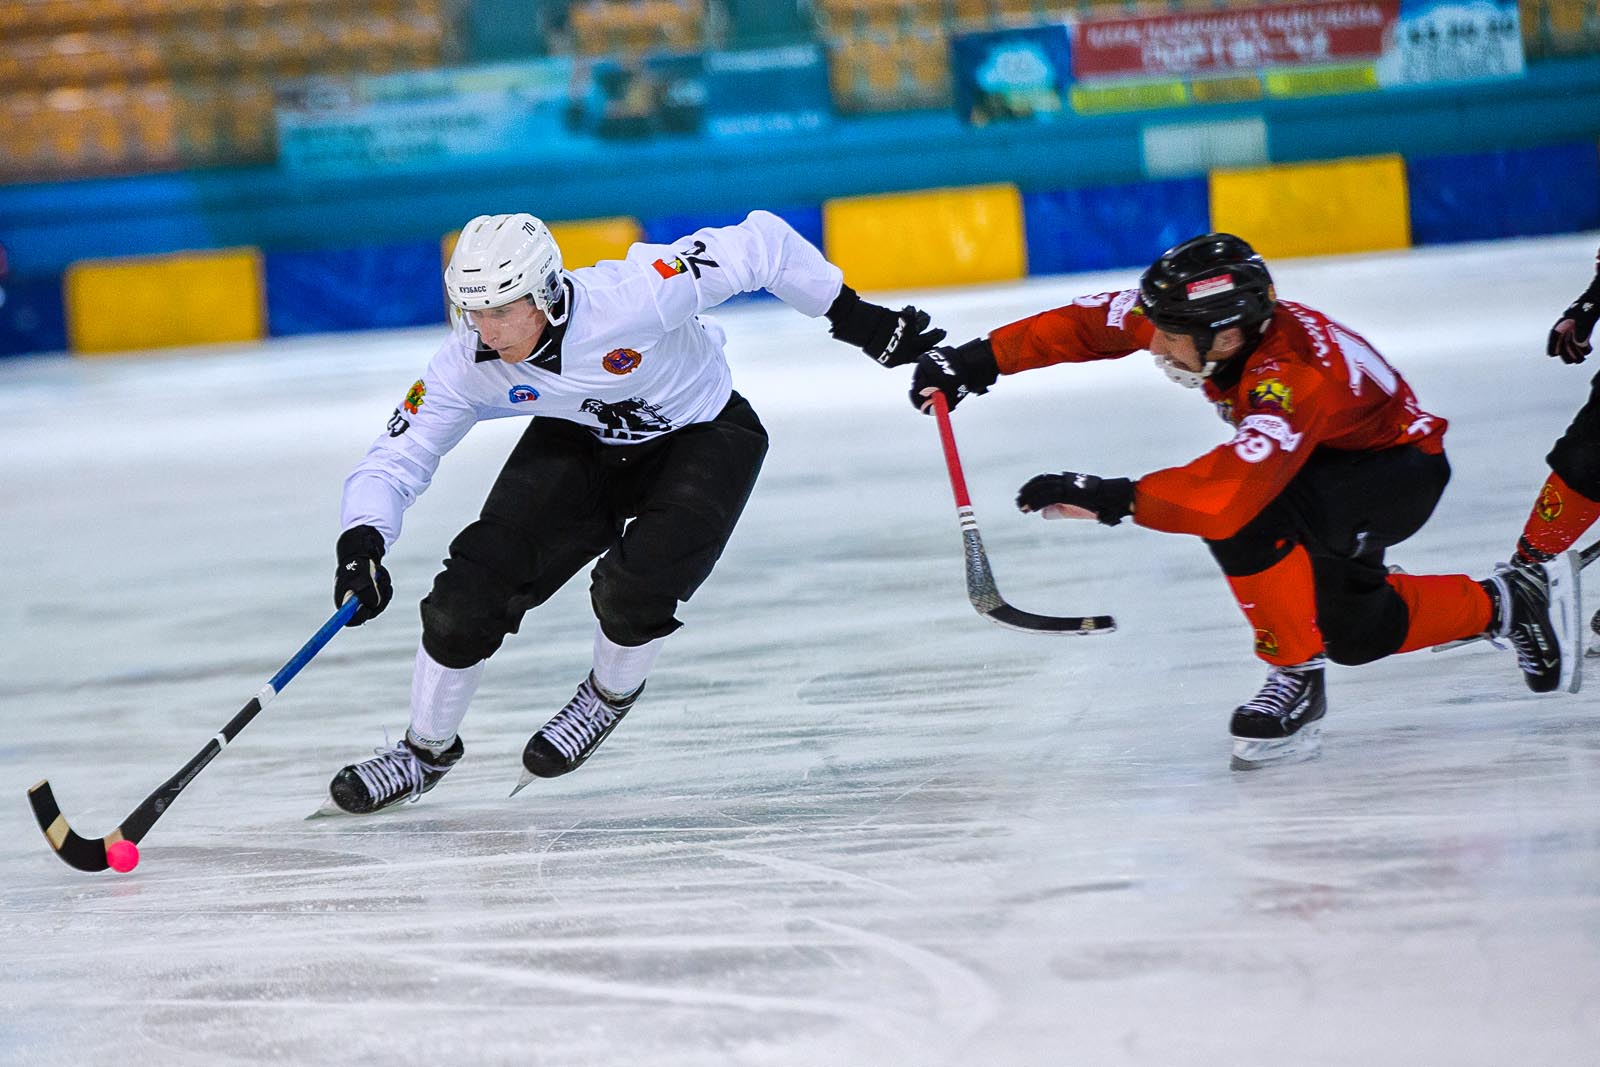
(1283, 687)
(576, 726)
(1277, 696)
(397, 770)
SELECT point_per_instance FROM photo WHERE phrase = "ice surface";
(851, 822)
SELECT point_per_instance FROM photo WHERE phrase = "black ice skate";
(1283, 722)
(1536, 608)
(562, 744)
(403, 772)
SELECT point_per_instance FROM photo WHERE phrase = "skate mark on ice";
(816, 871)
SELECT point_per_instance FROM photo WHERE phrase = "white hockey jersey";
(633, 360)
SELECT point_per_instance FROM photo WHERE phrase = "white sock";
(620, 670)
(439, 699)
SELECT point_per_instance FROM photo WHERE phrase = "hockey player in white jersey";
(634, 417)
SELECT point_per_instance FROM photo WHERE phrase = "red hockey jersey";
(1311, 384)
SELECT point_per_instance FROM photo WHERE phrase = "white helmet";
(502, 258)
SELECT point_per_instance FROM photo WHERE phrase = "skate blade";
(1563, 576)
(1251, 754)
(522, 783)
(328, 810)
(1459, 643)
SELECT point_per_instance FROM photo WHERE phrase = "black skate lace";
(576, 726)
(397, 770)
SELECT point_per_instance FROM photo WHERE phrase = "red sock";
(1443, 607)
(1281, 603)
(1559, 517)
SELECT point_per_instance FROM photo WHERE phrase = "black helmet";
(1206, 284)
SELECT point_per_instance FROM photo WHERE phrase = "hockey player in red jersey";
(1569, 501)
(1332, 462)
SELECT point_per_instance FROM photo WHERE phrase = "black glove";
(890, 337)
(955, 372)
(1569, 338)
(1108, 499)
(360, 574)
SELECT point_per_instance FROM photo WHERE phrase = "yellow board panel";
(1309, 209)
(187, 298)
(936, 237)
(582, 244)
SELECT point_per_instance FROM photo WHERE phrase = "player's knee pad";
(1364, 638)
(629, 613)
(1250, 551)
(457, 639)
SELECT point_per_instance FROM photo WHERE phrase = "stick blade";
(1016, 619)
(86, 854)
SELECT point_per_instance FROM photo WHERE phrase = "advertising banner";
(1005, 75)
(353, 123)
(1448, 40)
(767, 90)
(1232, 42)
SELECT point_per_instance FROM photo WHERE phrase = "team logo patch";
(669, 268)
(414, 396)
(1272, 393)
(1550, 504)
(621, 361)
(398, 424)
(521, 394)
(1266, 643)
(1222, 283)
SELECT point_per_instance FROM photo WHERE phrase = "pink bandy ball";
(122, 855)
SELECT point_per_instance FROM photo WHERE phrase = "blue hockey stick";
(89, 854)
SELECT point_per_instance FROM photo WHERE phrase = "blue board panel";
(378, 287)
(32, 318)
(1110, 226)
(1484, 196)
(664, 229)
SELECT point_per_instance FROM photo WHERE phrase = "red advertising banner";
(1232, 42)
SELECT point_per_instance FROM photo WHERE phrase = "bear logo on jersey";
(414, 396)
(1272, 393)
(627, 420)
(621, 361)
(1550, 504)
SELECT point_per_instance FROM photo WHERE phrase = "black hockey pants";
(564, 498)
(1346, 508)
(1576, 455)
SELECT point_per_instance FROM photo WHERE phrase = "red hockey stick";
(980, 581)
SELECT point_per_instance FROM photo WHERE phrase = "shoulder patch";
(414, 396)
(670, 268)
